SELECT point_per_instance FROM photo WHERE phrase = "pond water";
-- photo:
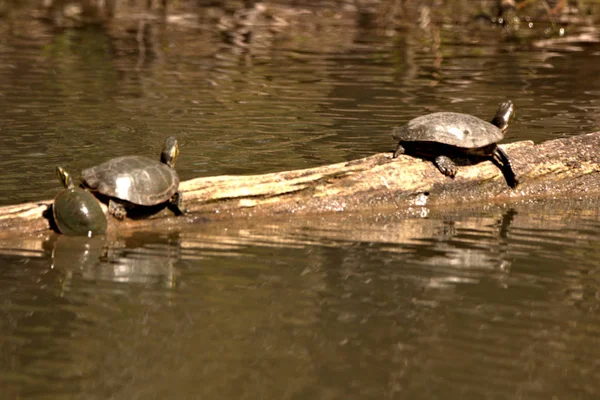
(492, 303)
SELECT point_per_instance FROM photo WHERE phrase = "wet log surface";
(558, 168)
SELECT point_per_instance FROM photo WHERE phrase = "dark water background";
(493, 303)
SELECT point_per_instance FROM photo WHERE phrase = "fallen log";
(567, 167)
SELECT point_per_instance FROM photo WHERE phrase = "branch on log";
(558, 168)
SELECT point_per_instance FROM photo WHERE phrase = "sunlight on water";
(497, 303)
(82, 96)
(502, 304)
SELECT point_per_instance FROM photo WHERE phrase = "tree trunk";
(558, 168)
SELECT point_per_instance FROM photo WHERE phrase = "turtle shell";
(452, 129)
(136, 179)
(77, 212)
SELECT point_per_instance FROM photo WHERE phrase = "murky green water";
(495, 304)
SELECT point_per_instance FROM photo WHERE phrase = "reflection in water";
(493, 305)
(253, 87)
(501, 305)
(148, 260)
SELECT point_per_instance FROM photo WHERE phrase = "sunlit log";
(558, 168)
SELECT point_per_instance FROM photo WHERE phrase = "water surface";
(498, 303)
(286, 100)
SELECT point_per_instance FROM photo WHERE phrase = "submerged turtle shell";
(453, 129)
(77, 212)
(136, 179)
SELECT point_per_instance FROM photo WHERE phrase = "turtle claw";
(399, 150)
(445, 165)
(117, 210)
(177, 204)
(500, 156)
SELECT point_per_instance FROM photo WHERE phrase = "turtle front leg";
(177, 204)
(117, 209)
(399, 150)
(445, 165)
(501, 157)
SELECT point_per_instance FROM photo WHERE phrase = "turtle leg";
(177, 204)
(445, 165)
(501, 157)
(117, 209)
(399, 150)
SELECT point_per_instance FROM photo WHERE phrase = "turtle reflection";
(138, 259)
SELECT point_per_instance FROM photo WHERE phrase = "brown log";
(558, 168)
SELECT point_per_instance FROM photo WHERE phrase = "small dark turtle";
(77, 211)
(137, 181)
(440, 136)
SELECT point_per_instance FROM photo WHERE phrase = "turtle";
(443, 135)
(131, 181)
(76, 211)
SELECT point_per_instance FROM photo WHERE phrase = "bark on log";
(567, 167)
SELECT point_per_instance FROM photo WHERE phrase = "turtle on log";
(76, 211)
(132, 181)
(442, 136)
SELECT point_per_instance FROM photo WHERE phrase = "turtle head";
(170, 152)
(64, 177)
(503, 115)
